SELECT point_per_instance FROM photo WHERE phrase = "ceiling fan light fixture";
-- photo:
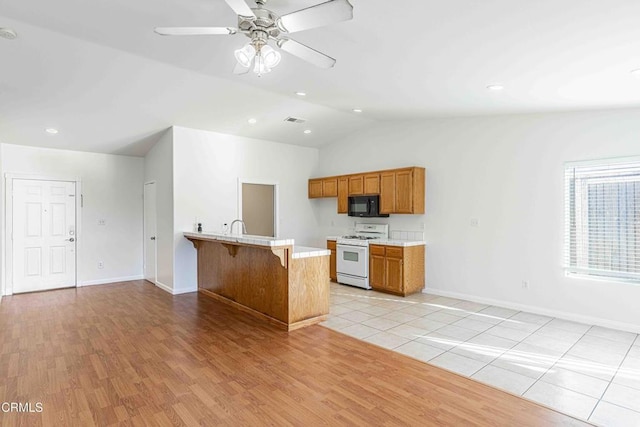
(270, 55)
(260, 66)
(261, 25)
(263, 58)
(245, 55)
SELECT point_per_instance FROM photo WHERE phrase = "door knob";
(70, 240)
(153, 238)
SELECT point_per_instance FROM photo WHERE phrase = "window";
(602, 223)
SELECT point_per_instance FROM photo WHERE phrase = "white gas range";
(352, 263)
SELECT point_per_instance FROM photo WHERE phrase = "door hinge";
(82, 200)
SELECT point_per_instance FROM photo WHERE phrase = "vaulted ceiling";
(97, 72)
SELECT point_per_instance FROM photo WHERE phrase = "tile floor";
(586, 371)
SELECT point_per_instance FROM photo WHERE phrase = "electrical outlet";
(474, 222)
(525, 284)
(100, 264)
(102, 222)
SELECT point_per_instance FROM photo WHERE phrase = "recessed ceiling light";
(636, 73)
(308, 131)
(8, 33)
(357, 110)
(495, 87)
(301, 93)
(52, 131)
(252, 121)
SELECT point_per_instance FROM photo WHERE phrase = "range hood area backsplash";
(332, 224)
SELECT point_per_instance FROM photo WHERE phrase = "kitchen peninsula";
(272, 279)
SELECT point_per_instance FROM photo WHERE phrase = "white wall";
(112, 190)
(207, 166)
(506, 171)
(158, 167)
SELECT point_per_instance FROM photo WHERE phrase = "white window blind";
(602, 220)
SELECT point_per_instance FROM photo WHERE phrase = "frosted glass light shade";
(245, 55)
(271, 56)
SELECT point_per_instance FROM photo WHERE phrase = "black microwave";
(365, 206)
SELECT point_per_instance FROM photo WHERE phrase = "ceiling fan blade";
(306, 53)
(195, 31)
(240, 7)
(317, 16)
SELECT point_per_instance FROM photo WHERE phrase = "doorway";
(150, 242)
(42, 244)
(258, 208)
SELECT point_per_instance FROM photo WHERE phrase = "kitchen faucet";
(244, 227)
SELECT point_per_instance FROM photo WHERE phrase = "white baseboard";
(164, 287)
(590, 320)
(108, 281)
(184, 291)
(174, 291)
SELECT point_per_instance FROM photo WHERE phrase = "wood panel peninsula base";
(264, 277)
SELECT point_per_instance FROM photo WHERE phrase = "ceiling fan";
(261, 25)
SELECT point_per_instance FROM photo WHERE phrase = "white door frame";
(276, 200)
(144, 237)
(7, 242)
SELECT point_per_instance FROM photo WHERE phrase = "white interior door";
(150, 232)
(44, 235)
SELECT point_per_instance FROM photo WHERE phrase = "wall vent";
(294, 120)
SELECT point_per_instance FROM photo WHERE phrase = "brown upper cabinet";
(323, 187)
(356, 185)
(330, 187)
(343, 194)
(372, 183)
(402, 191)
(315, 188)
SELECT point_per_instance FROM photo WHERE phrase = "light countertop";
(397, 242)
(307, 251)
(389, 242)
(248, 239)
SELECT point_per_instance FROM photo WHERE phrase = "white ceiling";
(95, 69)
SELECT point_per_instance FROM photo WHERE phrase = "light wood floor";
(132, 354)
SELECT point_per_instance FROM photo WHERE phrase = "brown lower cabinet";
(333, 274)
(396, 270)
